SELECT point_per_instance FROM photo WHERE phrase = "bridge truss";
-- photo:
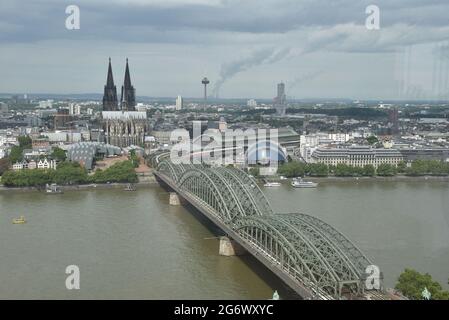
(304, 247)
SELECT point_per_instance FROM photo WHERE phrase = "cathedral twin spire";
(128, 94)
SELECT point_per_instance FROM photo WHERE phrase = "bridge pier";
(229, 247)
(175, 199)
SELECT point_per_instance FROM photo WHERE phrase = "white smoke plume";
(305, 77)
(256, 58)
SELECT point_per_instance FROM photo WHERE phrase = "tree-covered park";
(69, 173)
(417, 168)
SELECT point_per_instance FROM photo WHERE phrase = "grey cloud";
(275, 30)
(150, 21)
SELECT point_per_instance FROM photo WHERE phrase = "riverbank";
(377, 178)
(93, 186)
(371, 179)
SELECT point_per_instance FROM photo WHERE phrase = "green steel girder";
(168, 168)
(247, 195)
(252, 189)
(200, 184)
(303, 246)
(354, 254)
(304, 260)
(342, 267)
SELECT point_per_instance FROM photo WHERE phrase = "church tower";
(128, 97)
(110, 102)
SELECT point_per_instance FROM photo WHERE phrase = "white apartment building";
(46, 164)
(357, 156)
(47, 104)
(179, 103)
(74, 109)
(41, 164)
(308, 143)
(20, 165)
(251, 103)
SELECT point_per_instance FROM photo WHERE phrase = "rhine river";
(133, 245)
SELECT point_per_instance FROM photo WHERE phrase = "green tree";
(369, 171)
(344, 170)
(402, 167)
(428, 167)
(26, 178)
(317, 169)
(69, 173)
(58, 154)
(16, 154)
(372, 140)
(292, 169)
(25, 142)
(4, 165)
(412, 283)
(134, 158)
(119, 172)
(386, 170)
(418, 168)
(437, 168)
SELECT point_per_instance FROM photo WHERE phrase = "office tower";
(280, 100)
(179, 103)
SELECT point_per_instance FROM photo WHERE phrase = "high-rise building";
(110, 92)
(179, 103)
(393, 118)
(128, 97)
(281, 99)
(74, 109)
(71, 109)
(62, 119)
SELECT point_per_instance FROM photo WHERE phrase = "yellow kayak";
(20, 220)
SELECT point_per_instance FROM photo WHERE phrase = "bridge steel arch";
(249, 191)
(352, 252)
(222, 190)
(311, 252)
(304, 252)
(206, 190)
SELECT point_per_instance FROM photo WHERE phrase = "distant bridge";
(309, 255)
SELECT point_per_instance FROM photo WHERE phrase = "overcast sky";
(319, 48)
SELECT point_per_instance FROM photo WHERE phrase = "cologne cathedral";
(122, 125)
